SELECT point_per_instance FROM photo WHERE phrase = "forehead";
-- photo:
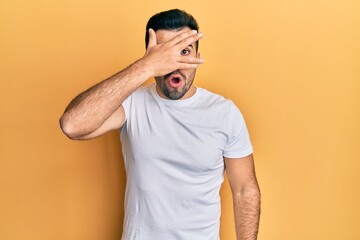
(166, 35)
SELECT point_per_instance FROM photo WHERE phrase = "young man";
(177, 139)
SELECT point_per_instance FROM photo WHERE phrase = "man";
(176, 139)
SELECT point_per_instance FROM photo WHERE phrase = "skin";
(98, 110)
(246, 196)
(186, 89)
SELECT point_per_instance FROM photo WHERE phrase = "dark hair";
(171, 20)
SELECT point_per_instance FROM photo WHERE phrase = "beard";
(174, 93)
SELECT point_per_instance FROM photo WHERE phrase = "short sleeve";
(127, 105)
(238, 144)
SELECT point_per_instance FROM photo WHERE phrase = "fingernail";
(193, 31)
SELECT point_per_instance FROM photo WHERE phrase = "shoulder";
(140, 92)
(223, 108)
(212, 99)
(138, 96)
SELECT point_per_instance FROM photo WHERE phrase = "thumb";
(152, 38)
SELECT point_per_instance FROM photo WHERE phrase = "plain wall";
(292, 67)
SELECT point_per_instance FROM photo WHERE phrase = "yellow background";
(293, 68)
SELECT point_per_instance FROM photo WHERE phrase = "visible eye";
(185, 51)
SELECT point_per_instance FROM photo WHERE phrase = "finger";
(187, 66)
(181, 37)
(189, 40)
(152, 38)
(190, 60)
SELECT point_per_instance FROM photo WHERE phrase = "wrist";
(145, 67)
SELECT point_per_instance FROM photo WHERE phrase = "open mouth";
(175, 80)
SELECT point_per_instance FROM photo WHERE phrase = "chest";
(190, 139)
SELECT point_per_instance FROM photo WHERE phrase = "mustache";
(175, 72)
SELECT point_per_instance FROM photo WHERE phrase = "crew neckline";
(180, 102)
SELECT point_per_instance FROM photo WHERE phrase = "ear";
(198, 55)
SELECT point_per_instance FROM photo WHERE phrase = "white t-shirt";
(173, 152)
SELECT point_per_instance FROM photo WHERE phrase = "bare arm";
(99, 110)
(90, 109)
(246, 196)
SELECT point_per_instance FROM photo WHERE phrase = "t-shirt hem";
(239, 154)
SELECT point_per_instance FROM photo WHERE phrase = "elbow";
(251, 192)
(68, 127)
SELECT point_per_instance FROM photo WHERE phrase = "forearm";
(247, 212)
(88, 111)
(91, 108)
